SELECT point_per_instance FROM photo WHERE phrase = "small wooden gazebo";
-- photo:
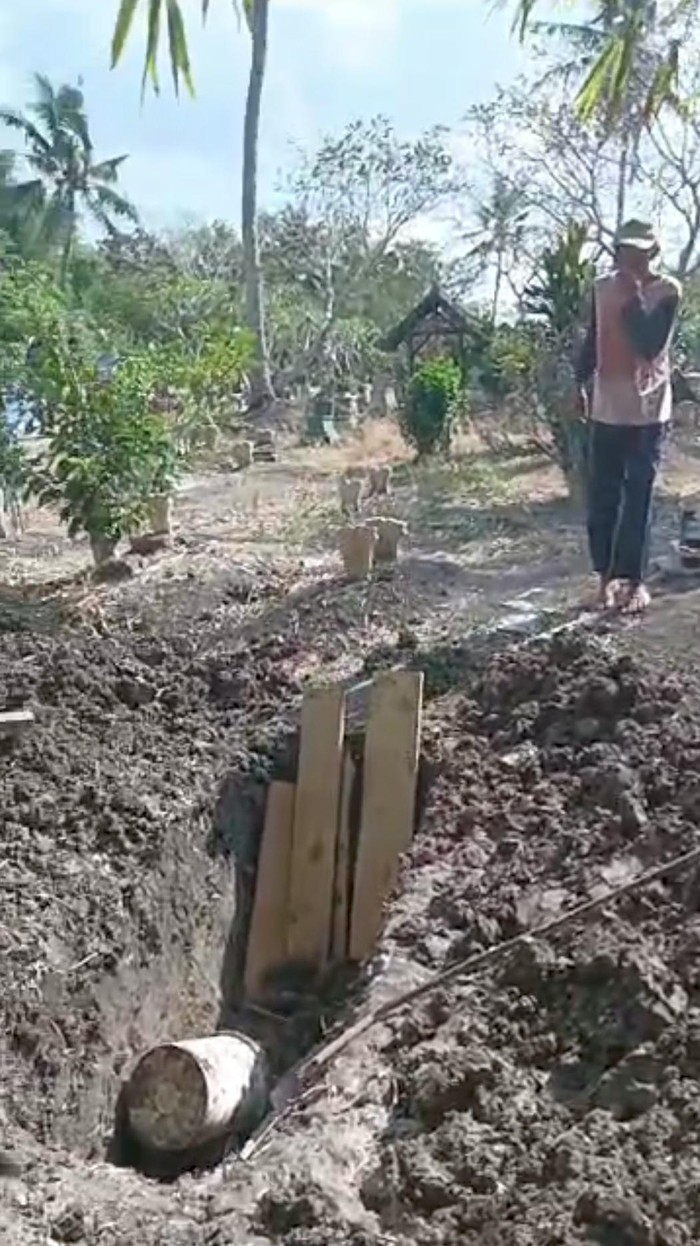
(436, 325)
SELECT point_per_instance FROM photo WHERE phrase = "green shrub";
(556, 303)
(108, 450)
(431, 402)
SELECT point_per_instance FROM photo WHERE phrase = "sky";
(419, 62)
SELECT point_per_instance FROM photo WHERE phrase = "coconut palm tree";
(625, 120)
(497, 240)
(627, 29)
(256, 15)
(67, 182)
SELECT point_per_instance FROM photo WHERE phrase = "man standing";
(626, 353)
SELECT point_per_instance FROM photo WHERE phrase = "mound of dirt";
(554, 1099)
(124, 810)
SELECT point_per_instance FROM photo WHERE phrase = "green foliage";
(629, 31)
(66, 180)
(687, 343)
(31, 304)
(205, 375)
(431, 401)
(497, 356)
(556, 301)
(558, 294)
(109, 450)
(32, 310)
(155, 11)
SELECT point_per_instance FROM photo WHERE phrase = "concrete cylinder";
(181, 1095)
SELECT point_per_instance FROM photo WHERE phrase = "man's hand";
(629, 285)
(582, 402)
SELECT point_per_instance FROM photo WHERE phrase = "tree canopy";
(64, 180)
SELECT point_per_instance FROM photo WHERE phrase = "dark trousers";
(622, 469)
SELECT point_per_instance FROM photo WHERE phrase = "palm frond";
(522, 16)
(111, 201)
(31, 193)
(616, 38)
(125, 17)
(574, 31)
(594, 91)
(150, 65)
(107, 170)
(70, 105)
(44, 106)
(178, 49)
(16, 120)
(56, 220)
(664, 85)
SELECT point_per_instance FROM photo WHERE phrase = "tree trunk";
(67, 249)
(688, 251)
(262, 391)
(497, 287)
(622, 175)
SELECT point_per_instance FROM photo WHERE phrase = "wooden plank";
(341, 889)
(267, 940)
(316, 812)
(14, 721)
(392, 746)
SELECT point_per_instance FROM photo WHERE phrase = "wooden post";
(160, 515)
(379, 481)
(243, 454)
(357, 549)
(267, 938)
(316, 812)
(388, 533)
(390, 777)
(349, 490)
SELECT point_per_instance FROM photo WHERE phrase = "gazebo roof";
(434, 304)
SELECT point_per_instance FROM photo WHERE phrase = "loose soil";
(549, 1101)
(552, 1100)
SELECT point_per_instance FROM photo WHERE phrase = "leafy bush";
(108, 451)
(207, 373)
(557, 295)
(556, 302)
(428, 413)
(30, 303)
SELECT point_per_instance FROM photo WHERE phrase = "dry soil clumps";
(552, 1100)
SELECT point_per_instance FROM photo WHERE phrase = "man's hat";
(640, 235)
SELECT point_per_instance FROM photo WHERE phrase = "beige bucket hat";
(640, 235)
